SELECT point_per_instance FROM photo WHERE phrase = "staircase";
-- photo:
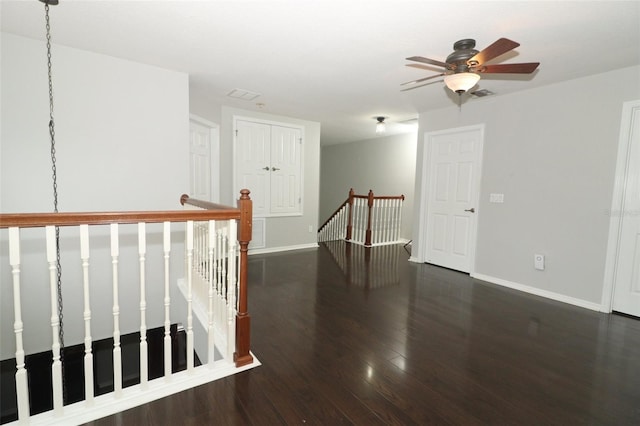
(146, 290)
(368, 220)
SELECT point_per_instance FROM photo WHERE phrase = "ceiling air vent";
(245, 95)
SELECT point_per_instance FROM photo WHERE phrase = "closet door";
(286, 176)
(253, 163)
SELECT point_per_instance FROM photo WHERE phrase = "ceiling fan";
(463, 67)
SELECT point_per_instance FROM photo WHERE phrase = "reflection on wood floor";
(367, 267)
(435, 347)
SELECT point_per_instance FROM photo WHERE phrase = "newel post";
(243, 322)
(367, 235)
(350, 215)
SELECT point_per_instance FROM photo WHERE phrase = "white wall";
(552, 152)
(385, 165)
(122, 144)
(281, 232)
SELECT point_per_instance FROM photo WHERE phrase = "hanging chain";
(52, 134)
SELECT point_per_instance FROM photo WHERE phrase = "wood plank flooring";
(423, 345)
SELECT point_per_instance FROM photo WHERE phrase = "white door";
(626, 296)
(453, 176)
(253, 162)
(199, 161)
(268, 162)
(286, 144)
(204, 159)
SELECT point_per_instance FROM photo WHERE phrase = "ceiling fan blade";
(420, 85)
(499, 47)
(427, 61)
(422, 67)
(420, 80)
(523, 68)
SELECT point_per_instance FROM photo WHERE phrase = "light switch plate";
(496, 198)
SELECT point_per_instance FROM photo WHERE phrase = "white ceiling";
(339, 62)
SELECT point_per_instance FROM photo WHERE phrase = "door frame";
(617, 204)
(424, 195)
(214, 155)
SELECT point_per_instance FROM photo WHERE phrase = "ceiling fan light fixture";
(461, 82)
(381, 127)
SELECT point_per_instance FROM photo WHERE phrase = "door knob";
(274, 169)
(266, 168)
(471, 210)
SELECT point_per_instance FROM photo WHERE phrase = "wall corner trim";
(540, 292)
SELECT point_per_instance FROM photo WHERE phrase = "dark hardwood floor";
(421, 345)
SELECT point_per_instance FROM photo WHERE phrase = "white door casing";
(203, 160)
(621, 290)
(452, 165)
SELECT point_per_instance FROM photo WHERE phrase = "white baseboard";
(539, 292)
(284, 248)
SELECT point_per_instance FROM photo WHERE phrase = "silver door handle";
(471, 210)
(274, 169)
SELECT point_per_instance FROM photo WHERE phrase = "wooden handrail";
(334, 214)
(207, 205)
(32, 220)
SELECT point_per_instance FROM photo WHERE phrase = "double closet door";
(269, 164)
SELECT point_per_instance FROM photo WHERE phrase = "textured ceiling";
(338, 62)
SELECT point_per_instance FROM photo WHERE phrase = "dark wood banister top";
(213, 212)
(32, 220)
(185, 199)
(381, 197)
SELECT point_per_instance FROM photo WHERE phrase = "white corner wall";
(551, 151)
(122, 144)
(386, 165)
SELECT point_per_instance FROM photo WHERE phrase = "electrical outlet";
(538, 262)
(310, 228)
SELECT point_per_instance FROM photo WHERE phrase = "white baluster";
(231, 289)
(167, 301)
(142, 250)
(117, 354)
(22, 389)
(56, 367)
(189, 244)
(220, 284)
(88, 354)
(211, 287)
(398, 219)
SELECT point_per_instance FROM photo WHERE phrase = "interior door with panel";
(199, 161)
(453, 165)
(626, 296)
(268, 162)
(286, 143)
(253, 162)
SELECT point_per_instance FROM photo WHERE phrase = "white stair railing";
(209, 237)
(366, 220)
